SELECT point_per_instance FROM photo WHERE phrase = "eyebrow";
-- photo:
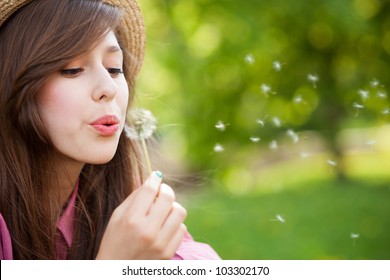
(113, 49)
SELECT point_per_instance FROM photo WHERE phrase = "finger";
(174, 243)
(174, 220)
(162, 207)
(144, 196)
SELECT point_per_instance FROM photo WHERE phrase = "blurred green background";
(273, 123)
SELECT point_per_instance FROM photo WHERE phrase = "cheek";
(55, 102)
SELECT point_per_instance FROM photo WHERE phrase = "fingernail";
(158, 174)
(154, 180)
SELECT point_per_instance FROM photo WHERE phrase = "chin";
(102, 159)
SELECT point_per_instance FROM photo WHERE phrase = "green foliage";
(208, 60)
(308, 70)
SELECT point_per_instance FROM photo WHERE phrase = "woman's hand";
(147, 225)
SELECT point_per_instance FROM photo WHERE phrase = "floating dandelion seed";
(249, 59)
(276, 121)
(255, 139)
(372, 144)
(293, 135)
(265, 89)
(374, 83)
(261, 122)
(354, 236)
(357, 106)
(277, 65)
(220, 126)
(143, 124)
(218, 148)
(313, 78)
(364, 94)
(304, 155)
(279, 218)
(331, 162)
(386, 111)
(381, 94)
(298, 99)
(273, 145)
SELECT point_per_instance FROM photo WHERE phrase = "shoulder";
(5, 241)
(192, 250)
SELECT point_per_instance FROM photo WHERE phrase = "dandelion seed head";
(255, 139)
(142, 124)
(249, 59)
(220, 126)
(218, 148)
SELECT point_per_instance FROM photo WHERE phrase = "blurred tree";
(264, 69)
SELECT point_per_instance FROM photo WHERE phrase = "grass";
(319, 220)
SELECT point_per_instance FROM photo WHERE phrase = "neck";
(66, 175)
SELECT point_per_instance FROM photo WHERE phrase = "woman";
(70, 180)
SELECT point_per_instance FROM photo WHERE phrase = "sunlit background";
(273, 123)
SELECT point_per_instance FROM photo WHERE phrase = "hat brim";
(132, 35)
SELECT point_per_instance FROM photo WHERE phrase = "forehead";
(109, 42)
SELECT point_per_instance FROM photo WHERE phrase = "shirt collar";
(66, 221)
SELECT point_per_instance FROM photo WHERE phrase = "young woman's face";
(83, 106)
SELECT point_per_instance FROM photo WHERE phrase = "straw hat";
(133, 39)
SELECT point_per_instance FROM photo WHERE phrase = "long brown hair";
(39, 39)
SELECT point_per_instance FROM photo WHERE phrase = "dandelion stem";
(146, 154)
(142, 126)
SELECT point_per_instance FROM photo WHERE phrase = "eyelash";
(115, 71)
(73, 72)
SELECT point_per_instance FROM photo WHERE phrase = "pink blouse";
(188, 250)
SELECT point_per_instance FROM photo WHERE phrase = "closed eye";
(114, 72)
(71, 72)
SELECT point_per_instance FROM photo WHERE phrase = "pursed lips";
(106, 125)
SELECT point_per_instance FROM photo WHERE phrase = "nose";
(106, 88)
